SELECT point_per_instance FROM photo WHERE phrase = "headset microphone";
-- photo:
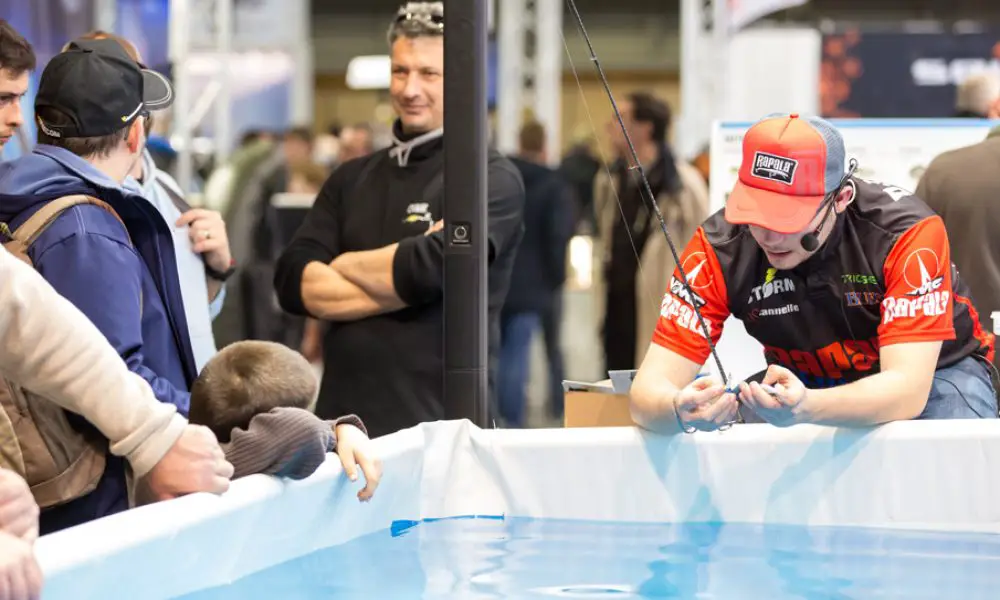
(810, 241)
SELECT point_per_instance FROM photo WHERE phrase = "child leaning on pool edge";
(254, 395)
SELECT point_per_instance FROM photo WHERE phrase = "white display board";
(755, 87)
(892, 151)
(723, 77)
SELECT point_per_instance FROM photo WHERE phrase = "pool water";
(484, 557)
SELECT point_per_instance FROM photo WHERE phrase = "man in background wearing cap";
(201, 243)
(90, 108)
(848, 285)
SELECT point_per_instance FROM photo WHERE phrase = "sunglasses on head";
(408, 16)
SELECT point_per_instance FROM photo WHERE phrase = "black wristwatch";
(222, 277)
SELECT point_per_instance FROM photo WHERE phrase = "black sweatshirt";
(389, 369)
(549, 220)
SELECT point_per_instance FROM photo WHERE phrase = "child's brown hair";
(249, 378)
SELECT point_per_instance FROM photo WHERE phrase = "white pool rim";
(939, 475)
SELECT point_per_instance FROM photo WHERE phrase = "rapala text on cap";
(774, 167)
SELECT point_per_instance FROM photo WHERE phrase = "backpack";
(37, 440)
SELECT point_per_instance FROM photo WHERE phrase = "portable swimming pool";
(905, 510)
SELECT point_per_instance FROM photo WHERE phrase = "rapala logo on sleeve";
(774, 167)
(933, 304)
(922, 272)
(680, 290)
(682, 313)
(699, 276)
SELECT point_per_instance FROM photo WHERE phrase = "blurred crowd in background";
(298, 109)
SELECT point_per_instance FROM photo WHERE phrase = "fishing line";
(637, 166)
(650, 295)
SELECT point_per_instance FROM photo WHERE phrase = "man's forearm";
(873, 400)
(653, 409)
(370, 270)
(49, 347)
(653, 396)
(329, 295)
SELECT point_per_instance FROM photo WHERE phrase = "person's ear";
(845, 197)
(134, 137)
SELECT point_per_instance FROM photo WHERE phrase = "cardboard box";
(595, 405)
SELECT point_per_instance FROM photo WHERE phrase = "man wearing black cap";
(112, 258)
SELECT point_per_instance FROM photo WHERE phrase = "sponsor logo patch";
(859, 279)
(855, 299)
(680, 312)
(772, 286)
(922, 272)
(699, 277)
(774, 167)
(680, 290)
(933, 304)
(418, 212)
(759, 313)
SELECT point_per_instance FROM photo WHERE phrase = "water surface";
(478, 558)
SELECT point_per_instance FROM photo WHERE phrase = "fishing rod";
(649, 191)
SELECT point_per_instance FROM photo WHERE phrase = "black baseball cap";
(98, 89)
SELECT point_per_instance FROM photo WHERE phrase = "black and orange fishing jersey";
(884, 276)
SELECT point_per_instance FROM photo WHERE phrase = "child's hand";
(354, 450)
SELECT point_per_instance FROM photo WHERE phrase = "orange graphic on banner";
(837, 72)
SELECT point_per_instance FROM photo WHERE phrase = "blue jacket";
(87, 257)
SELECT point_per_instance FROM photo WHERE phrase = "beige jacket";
(683, 213)
(49, 347)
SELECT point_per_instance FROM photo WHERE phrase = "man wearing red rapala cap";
(847, 284)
